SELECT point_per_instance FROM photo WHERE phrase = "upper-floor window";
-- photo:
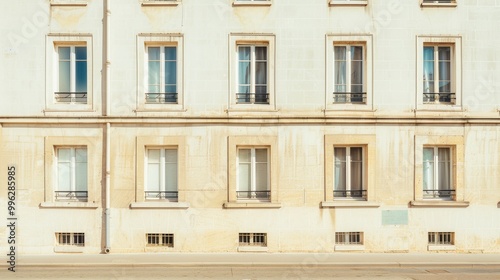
(71, 74)
(437, 176)
(161, 74)
(161, 178)
(160, 71)
(253, 174)
(437, 75)
(252, 75)
(71, 174)
(439, 68)
(349, 74)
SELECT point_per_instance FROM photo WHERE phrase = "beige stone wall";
(300, 125)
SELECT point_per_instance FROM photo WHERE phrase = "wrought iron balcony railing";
(252, 98)
(152, 97)
(165, 195)
(441, 97)
(71, 97)
(439, 194)
(349, 97)
(359, 194)
(71, 195)
(257, 195)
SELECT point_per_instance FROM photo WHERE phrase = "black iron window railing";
(252, 98)
(71, 97)
(349, 97)
(350, 194)
(166, 195)
(261, 195)
(72, 195)
(442, 194)
(442, 97)
(161, 97)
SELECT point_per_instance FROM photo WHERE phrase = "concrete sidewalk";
(263, 259)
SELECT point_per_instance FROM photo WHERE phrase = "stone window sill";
(252, 3)
(349, 204)
(349, 247)
(436, 4)
(68, 3)
(68, 249)
(252, 249)
(159, 205)
(348, 3)
(439, 203)
(160, 3)
(441, 248)
(69, 204)
(259, 205)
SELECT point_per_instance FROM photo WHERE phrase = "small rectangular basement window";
(70, 239)
(160, 239)
(349, 238)
(253, 239)
(441, 238)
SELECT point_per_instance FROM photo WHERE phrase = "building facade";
(250, 125)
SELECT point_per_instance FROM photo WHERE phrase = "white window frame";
(348, 2)
(436, 174)
(73, 94)
(347, 236)
(332, 40)
(438, 3)
(253, 173)
(253, 84)
(437, 71)
(145, 40)
(348, 173)
(455, 44)
(236, 40)
(54, 41)
(72, 192)
(162, 165)
(93, 144)
(348, 71)
(162, 73)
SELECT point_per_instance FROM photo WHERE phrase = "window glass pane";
(81, 155)
(64, 76)
(154, 69)
(340, 169)
(428, 169)
(357, 53)
(428, 70)
(356, 154)
(63, 155)
(444, 167)
(244, 53)
(261, 73)
(81, 176)
(244, 155)
(261, 53)
(340, 65)
(64, 176)
(153, 174)
(244, 73)
(261, 89)
(444, 53)
(244, 174)
(357, 74)
(81, 76)
(171, 176)
(64, 53)
(171, 53)
(261, 155)
(154, 53)
(170, 73)
(261, 176)
(81, 53)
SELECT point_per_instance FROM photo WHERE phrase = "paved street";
(250, 273)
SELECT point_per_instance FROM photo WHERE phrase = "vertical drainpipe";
(107, 97)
